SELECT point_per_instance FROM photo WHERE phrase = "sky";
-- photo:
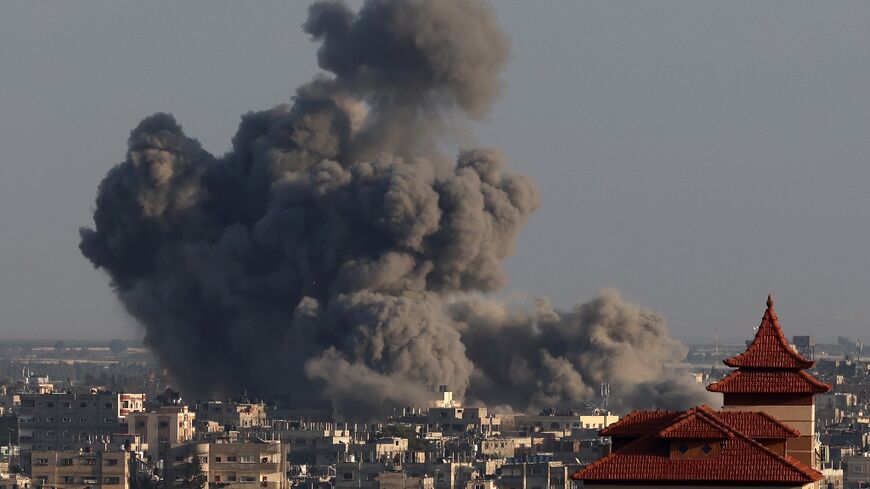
(694, 155)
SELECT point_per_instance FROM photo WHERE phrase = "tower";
(770, 377)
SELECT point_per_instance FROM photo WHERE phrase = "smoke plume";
(329, 256)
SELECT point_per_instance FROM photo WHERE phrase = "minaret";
(771, 377)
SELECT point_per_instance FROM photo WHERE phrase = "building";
(533, 474)
(360, 475)
(401, 480)
(168, 425)
(856, 472)
(230, 465)
(762, 437)
(233, 415)
(14, 481)
(771, 378)
(67, 421)
(97, 469)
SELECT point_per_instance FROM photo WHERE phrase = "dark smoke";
(316, 258)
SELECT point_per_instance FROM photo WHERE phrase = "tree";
(194, 477)
(117, 346)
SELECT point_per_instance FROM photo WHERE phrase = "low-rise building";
(233, 415)
(99, 469)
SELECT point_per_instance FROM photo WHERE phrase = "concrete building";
(14, 481)
(856, 472)
(76, 469)
(239, 464)
(168, 425)
(446, 475)
(401, 480)
(534, 475)
(233, 415)
(67, 421)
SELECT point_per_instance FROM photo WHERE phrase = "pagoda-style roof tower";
(770, 377)
(769, 365)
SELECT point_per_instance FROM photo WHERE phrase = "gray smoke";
(317, 258)
(544, 358)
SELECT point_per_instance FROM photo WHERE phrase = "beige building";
(233, 415)
(231, 465)
(401, 480)
(168, 425)
(14, 481)
(244, 463)
(75, 469)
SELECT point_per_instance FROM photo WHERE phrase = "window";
(112, 480)
(108, 405)
(247, 478)
(107, 420)
(67, 420)
(247, 459)
(348, 476)
(140, 424)
(68, 479)
(217, 459)
(164, 424)
(66, 405)
(858, 469)
(49, 419)
(232, 458)
(231, 478)
(83, 419)
(217, 478)
(66, 461)
(83, 405)
(41, 461)
(179, 458)
(49, 404)
(111, 461)
(537, 471)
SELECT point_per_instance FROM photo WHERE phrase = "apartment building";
(97, 469)
(231, 465)
(67, 421)
(534, 475)
(167, 425)
(233, 415)
(361, 475)
(401, 480)
(245, 463)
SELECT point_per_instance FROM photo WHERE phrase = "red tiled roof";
(756, 424)
(696, 423)
(741, 460)
(769, 349)
(753, 381)
(750, 423)
(639, 423)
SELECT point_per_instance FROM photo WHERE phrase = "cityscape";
(114, 420)
(434, 244)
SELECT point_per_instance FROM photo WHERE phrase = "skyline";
(750, 184)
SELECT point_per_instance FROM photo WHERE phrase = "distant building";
(67, 421)
(856, 472)
(233, 415)
(77, 469)
(169, 424)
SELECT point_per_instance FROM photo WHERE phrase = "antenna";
(605, 393)
(716, 340)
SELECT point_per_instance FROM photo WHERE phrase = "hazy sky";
(695, 155)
